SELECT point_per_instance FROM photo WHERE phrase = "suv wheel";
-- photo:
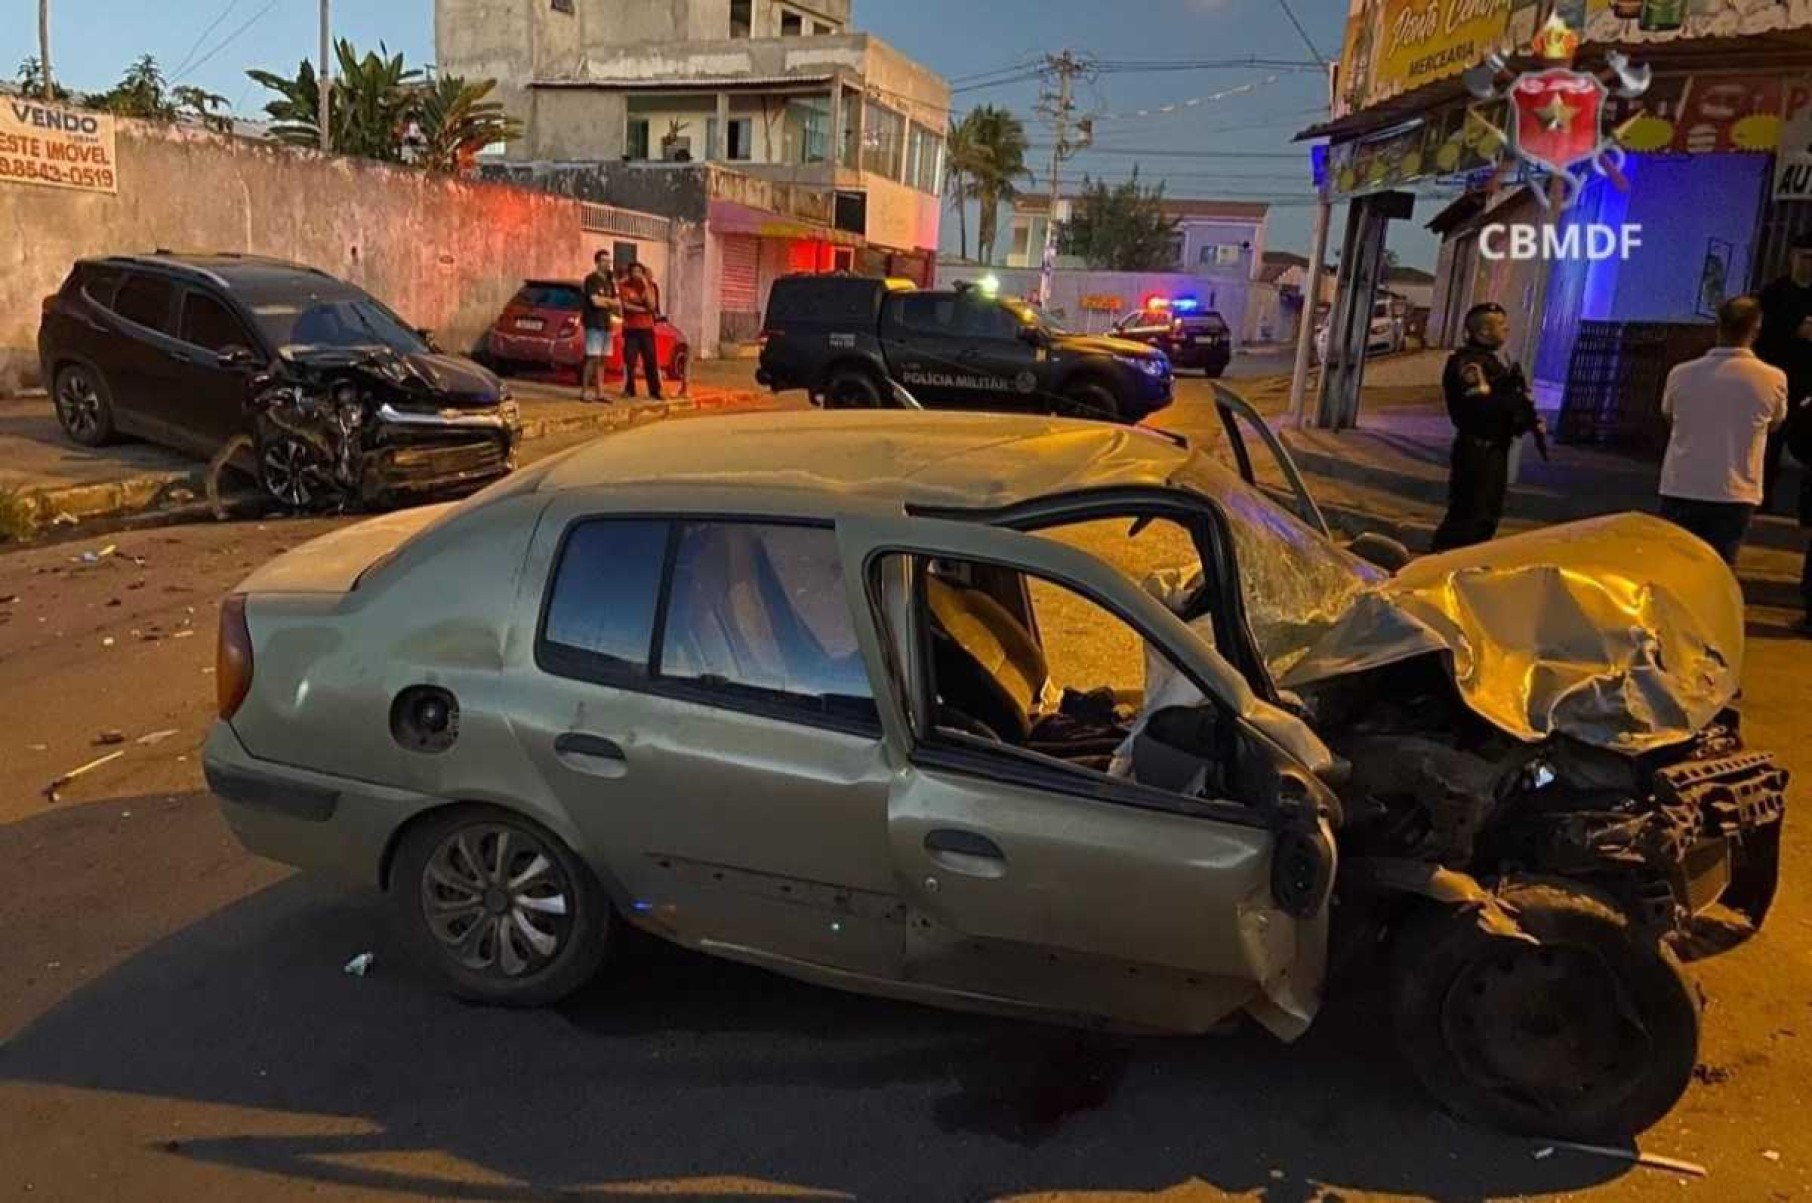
(1089, 400)
(499, 908)
(852, 388)
(1590, 1034)
(294, 474)
(84, 404)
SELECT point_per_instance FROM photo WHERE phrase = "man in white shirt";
(1722, 406)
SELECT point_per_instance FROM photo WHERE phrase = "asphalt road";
(176, 1024)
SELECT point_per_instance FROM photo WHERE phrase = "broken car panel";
(822, 692)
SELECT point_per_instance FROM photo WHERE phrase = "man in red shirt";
(641, 302)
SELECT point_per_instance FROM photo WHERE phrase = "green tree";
(144, 93)
(997, 164)
(962, 160)
(376, 101)
(31, 81)
(457, 121)
(1121, 227)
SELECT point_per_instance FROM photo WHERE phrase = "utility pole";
(50, 90)
(1311, 289)
(1059, 109)
(326, 74)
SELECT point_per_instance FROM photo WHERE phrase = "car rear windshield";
(1211, 322)
(537, 295)
(346, 320)
(832, 300)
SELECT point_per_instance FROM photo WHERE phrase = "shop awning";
(729, 217)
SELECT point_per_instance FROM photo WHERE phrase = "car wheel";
(1089, 400)
(84, 404)
(1590, 1034)
(499, 908)
(852, 388)
(294, 474)
(681, 364)
(1214, 372)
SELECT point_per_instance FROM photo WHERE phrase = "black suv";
(339, 399)
(845, 338)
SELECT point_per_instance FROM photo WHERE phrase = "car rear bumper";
(558, 351)
(310, 820)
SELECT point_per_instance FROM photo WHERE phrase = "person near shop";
(1799, 442)
(641, 309)
(1723, 406)
(1786, 342)
(599, 312)
(1489, 402)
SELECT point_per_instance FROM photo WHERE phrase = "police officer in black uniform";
(1489, 402)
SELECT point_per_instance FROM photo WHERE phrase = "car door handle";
(966, 852)
(591, 754)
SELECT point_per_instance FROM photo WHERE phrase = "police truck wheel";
(1093, 401)
(1591, 1033)
(852, 388)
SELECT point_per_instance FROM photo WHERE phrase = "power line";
(1308, 41)
(1023, 77)
(1194, 102)
(227, 41)
(188, 58)
(1117, 66)
(1023, 64)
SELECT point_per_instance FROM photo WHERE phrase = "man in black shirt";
(1786, 343)
(1488, 400)
(600, 308)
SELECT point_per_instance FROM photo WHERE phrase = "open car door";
(1034, 884)
(1262, 459)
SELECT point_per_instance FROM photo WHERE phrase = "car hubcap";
(497, 901)
(290, 474)
(1549, 1026)
(79, 404)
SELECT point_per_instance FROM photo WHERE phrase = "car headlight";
(510, 412)
(1157, 367)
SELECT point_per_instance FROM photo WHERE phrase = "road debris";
(182, 634)
(95, 557)
(38, 747)
(1772, 1154)
(1543, 1153)
(154, 738)
(9, 599)
(107, 642)
(360, 965)
(107, 739)
(64, 518)
(51, 790)
(1653, 1161)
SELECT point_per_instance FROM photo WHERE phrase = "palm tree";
(457, 122)
(372, 100)
(961, 161)
(1000, 145)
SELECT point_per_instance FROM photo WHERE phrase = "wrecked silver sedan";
(1033, 716)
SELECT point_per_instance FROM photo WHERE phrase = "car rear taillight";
(233, 657)
(762, 338)
(50, 302)
(569, 327)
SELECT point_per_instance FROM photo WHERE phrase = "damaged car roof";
(961, 460)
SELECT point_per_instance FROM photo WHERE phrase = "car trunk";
(334, 562)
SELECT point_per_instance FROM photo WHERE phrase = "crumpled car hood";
(1623, 632)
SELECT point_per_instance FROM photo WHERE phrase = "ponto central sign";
(57, 147)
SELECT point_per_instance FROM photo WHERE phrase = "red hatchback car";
(540, 331)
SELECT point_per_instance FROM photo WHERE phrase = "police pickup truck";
(845, 339)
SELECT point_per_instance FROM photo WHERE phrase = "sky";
(212, 42)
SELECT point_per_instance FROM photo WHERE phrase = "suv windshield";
(1030, 315)
(344, 321)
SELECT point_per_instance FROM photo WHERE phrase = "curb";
(150, 491)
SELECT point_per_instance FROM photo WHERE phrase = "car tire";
(84, 404)
(1494, 1026)
(294, 474)
(680, 364)
(1214, 373)
(852, 388)
(1090, 400)
(509, 947)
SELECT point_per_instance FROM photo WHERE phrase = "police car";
(1191, 336)
(848, 339)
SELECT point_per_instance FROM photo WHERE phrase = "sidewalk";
(1390, 475)
(45, 476)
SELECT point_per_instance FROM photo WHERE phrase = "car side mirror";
(1031, 335)
(427, 336)
(236, 358)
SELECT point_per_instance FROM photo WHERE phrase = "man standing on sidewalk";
(641, 308)
(1786, 342)
(599, 310)
(1723, 406)
(1488, 400)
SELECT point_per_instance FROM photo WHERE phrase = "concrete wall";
(1199, 234)
(444, 253)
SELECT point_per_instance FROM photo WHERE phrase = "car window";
(981, 319)
(602, 603)
(145, 300)
(758, 613)
(929, 311)
(335, 321)
(208, 323)
(551, 296)
(99, 284)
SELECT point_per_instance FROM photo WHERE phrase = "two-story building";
(776, 138)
